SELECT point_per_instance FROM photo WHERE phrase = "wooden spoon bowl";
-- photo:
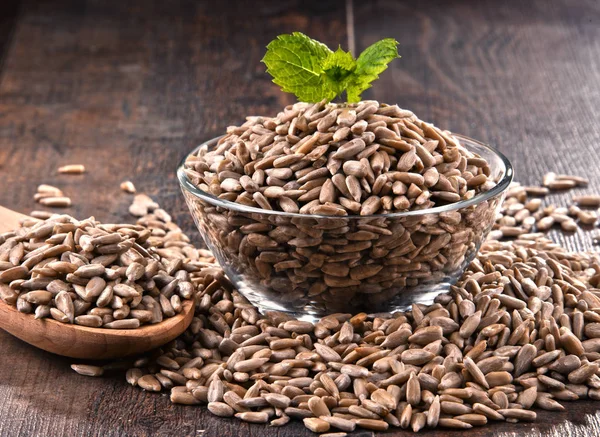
(81, 341)
(77, 341)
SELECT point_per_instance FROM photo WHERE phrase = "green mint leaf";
(296, 63)
(338, 66)
(310, 70)
(369, 65)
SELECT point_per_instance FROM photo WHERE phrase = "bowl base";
(403, 302)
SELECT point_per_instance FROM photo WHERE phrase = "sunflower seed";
(519, 414)
(587, 200)
(72, 169)
(57, 202)
(149, 383)
(340, 423)
(253, 417)
(87, 370)
(128, 187)
(315, 424)
(447, 422)
(220, 409)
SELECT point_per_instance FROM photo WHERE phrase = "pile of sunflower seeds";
(367, 158)
(520, 330)
(347, 162)
(117, 276)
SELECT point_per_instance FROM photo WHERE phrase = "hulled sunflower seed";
(128, 187)
(253, 417)
(72, 169)
(57, 202)
(220, 409)
(316, 425)
(87, 370)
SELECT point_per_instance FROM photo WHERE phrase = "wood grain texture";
(128, 87)
(521, 76)
(8, 19)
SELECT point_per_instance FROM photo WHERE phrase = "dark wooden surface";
(127, 87)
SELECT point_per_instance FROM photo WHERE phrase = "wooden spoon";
(80, 341)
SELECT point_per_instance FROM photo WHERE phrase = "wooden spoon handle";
(9, 219)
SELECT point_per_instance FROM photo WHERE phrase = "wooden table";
(128, 87)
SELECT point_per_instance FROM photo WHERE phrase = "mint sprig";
(309, 69)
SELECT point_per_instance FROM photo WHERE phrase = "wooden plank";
(519, 75)
(126, 88)
(9, 12)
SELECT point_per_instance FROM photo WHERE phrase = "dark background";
(128, 87)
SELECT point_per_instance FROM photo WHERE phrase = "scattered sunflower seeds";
(522, 215)
(72, 169)
(520, 329)
(472, 357)
(52, 196)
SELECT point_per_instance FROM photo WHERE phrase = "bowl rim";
(501, 186)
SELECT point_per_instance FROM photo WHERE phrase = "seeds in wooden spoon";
(84, 266)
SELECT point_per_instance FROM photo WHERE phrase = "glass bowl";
(312, 265)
